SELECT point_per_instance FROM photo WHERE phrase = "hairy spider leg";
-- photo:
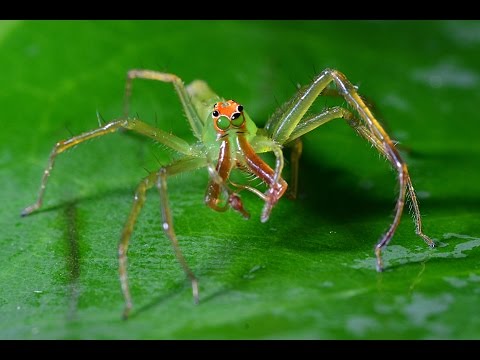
(365, 133)
(135, 125)
(288, 124)
(341, 113)
(272, 177)
(195, 121)
(158, 179)
(189, 162)
(296, 148)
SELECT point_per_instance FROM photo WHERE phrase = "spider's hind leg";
(386, 149)
(290, 123)
(405, 183)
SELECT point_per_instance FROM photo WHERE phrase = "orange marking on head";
(227, 108)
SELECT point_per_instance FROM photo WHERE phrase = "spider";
(227, 139)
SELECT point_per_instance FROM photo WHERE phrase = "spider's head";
(227, 114)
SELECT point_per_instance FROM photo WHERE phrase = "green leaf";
(309, 271)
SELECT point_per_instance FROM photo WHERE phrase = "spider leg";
(273, 178)
(195, 121)
(405, 184)
(159, 179)
(135, 125)
(218, 187)
(295, 154)
(282, 127)
(139, 200)
(365, 133)
(340, 113)
(283, 122)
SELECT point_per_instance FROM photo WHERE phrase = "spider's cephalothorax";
(234, 142)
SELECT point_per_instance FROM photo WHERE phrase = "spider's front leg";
(273, 178)
(217, 186)
(247, 158)
(289, 124)
(135, 125)
(188, 106)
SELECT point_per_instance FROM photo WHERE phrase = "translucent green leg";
(195, 122)
(296, 153)
(417, 218)
(283, 124)
(138, 126)
(280, 126)
(139, 200)
(337, 112)
(158, 179)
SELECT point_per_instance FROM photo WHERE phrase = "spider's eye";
(237, 120)
(223, 123)
(215, 113)
(239, 108)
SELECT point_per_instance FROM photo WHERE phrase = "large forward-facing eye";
(237, 119)
(223, 123)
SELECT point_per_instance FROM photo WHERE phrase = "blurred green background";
(308, 273)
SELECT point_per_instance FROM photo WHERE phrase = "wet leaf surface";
(306, 273)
